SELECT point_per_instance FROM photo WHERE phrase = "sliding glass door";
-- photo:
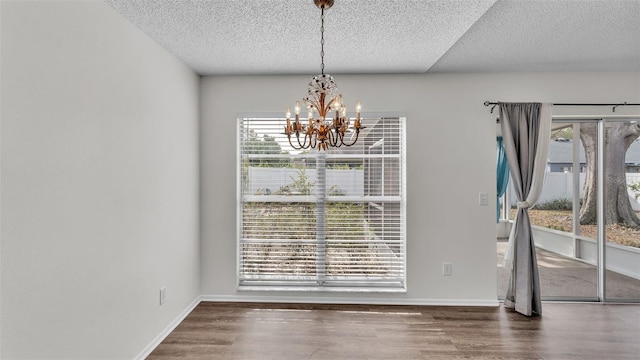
(585, 223)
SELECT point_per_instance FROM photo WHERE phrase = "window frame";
(400, 200)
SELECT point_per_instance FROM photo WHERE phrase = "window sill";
(332, 289)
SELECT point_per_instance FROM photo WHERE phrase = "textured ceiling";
(550, 35)
(393, 36)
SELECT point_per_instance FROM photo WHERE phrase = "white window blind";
(322, 220)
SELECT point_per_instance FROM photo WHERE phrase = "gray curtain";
(525, 130)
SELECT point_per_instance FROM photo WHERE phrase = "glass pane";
(622, 196)
(566, 230)
(364, 242)
(278, 241)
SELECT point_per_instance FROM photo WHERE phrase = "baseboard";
(149, 348)
(351, 300)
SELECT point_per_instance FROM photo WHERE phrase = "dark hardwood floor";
(311, 331)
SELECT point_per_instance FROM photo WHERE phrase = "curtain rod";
(614, 106)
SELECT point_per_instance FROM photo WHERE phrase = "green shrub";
(635, 189)
(556, 204)
(300, 185)
(334, 191)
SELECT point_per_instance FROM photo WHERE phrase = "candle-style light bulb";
(297, 108)
(358, 107)
(287, 129)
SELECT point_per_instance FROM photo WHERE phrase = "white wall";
(448, 131)
(99, 183)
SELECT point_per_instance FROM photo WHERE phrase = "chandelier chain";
(322, 40)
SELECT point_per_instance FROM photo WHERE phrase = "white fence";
(348, 182)
(558, 185)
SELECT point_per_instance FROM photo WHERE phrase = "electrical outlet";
(483, 199)
(446, 269)
(163, 295)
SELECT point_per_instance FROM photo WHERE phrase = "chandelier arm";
(303, 145)
(340, 140)
(310, 133)
(293, 146)
(329, 138)
(307, 140)
(312, 138)
(355, 140)
(335, 138)
(340, 136)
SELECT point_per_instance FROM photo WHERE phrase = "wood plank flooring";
(312, 331)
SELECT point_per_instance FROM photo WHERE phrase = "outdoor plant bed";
(280, 248)
(562, 220)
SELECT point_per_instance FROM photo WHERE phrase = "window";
(321, 220)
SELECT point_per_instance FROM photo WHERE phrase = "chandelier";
(322, 98)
